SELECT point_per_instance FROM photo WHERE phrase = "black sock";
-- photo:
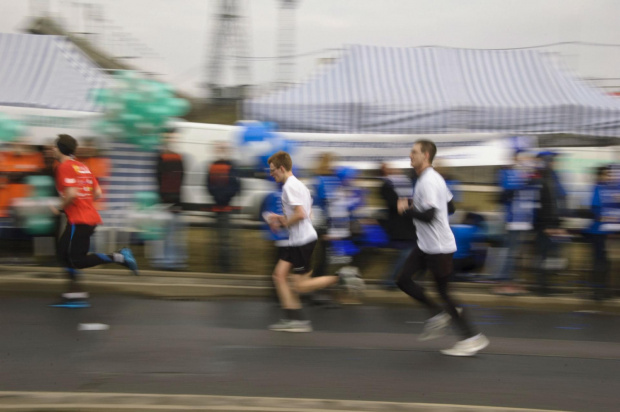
(294, 314)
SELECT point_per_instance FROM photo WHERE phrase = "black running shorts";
(299, 256)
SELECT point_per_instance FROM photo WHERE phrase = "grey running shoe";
(287, 325)
(351, 279)
(435, 327)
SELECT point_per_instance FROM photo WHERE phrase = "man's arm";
(68, 195)
(97, 193)
(299, 214)
(425, 216)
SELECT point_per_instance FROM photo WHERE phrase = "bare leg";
(288, 298)
(306, 283)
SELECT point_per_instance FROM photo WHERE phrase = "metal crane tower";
(286, 41)
(228, 42)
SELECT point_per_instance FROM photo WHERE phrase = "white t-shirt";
(431, 191)
(295, 193)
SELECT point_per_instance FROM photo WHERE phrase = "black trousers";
(224, 241)
(599, 280)
(441, 267)
(73, 247)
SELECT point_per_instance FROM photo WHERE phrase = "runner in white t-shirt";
(296, 257)
(432, 201)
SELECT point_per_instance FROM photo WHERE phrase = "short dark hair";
(281, 158)
(601, 170)
(66, 144)
(427, 146)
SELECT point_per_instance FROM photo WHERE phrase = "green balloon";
(148, 89)
(42, 186)
(157, 114)
(103, 96)
(129, 120)
(5, 134)
(101, 126)
(97, 95)
(163, 91)
(114, 109)
(177, 107)
(128, 76)
(39, 225)
(145, 128)
(146, 199)
(149, 142)
(12, 129)
(132, 100)
(20, 129)
(143, 111)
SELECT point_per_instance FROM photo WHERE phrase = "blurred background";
(177, 106)
(355, 81)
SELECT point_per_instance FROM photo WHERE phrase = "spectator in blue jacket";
(605, 209)
(519, 199)
(325, 187)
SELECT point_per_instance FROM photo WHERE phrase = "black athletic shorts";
(299, 256)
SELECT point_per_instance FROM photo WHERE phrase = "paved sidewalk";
(31, 280)
(117, 402)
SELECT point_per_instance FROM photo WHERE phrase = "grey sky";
(179, 30)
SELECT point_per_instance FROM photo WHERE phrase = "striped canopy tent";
(47, 72)
(440, 90)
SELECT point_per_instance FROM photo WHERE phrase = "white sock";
(118, 258)
(75, 295)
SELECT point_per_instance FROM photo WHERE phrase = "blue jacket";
(520, 197)
(273, 203)
(326, 187)
(605, 208)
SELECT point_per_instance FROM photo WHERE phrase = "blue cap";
(345, 173)
(547, 153)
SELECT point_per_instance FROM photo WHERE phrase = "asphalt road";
(562, 361)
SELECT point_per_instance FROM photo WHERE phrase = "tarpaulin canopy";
(440, 90)
(47, 72)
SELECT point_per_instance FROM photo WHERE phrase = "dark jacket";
(170, 177)
(552, 200)
(397, 227)
(223, 184)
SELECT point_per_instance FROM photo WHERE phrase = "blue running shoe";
(130, 261)
(71, 304)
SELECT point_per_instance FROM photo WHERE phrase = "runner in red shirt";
(78, 190)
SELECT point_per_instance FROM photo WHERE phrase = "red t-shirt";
(72, 173)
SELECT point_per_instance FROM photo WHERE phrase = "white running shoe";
(435, 327)
(468, 347)
(287, 325)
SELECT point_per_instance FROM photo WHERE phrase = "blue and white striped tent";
(47, 72)
(440, 90)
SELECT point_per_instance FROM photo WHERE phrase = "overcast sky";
(178, 31)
